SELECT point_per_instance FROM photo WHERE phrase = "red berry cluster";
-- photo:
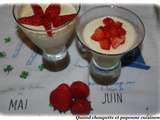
(51, 17)
(74, 98)
(112, 34)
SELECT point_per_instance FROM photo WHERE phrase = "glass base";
(105, 75)
(56, 62)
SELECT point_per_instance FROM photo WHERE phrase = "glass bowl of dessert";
(109, 32)
(50, 27)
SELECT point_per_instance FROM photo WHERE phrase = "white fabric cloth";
(139, 88)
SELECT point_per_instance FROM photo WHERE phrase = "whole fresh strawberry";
(79, 90)
(81, 107)
(61, 98)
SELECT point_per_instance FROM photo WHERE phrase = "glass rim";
(44, 31)
(118, 54)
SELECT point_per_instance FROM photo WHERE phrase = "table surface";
(25, 86)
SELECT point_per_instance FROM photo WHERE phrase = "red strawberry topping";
(105, 44)
(53, 10)
(37, 10)
(112, 34)
(118, 24)
(32, 20)
(79, 90)
(60, 20)
(121, 32)
(115, 42)
(108, 21)
(48, 18)
(81, 107)
(98, 35)
(61, 98)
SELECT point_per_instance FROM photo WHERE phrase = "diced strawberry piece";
(106, 31)
(98, 35)
(53, 10)
(116, 42)
(101, 27)
(61, 98)
(108, 21)
(123, 39)
(107, 35)
(106, 28)
(105, 44)
(121, 31)
(37, 10)
(118, 24)
(31, 20)
(81, 107)
(114, 32)
(79, 90)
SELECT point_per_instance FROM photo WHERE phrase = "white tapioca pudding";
(49, 26)
(109, 32)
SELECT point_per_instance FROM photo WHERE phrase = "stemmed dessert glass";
(55, 55)
(106, 68)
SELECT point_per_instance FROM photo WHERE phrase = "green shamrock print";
(17, 27)
(50, 105)
(8, 69)
(2, 54)
(24, 74)
(41, 67)
(7, 39)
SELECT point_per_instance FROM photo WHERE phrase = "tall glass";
(55, 55)
(106, 68)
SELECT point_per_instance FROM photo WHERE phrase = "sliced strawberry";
(98, 35)
(106, 28)
(118, 24)
(105, 44)
(60, 20)
(37, 10)
(67, 18)
(53, 10)
(61, 98)
(31, 20)
(46, 22)
(56, 22)
(106, 33)
(108, 21)
(123, 39)
(116, 42)
(79, 90)
(121, 31)
(114, 32)
(81, 107)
